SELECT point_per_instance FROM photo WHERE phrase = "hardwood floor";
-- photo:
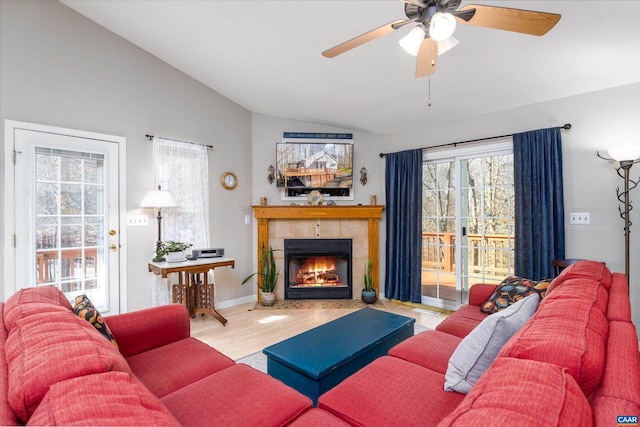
(248, 331)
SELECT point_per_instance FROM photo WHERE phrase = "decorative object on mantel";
(272, 176)
(158, 199)
(263, 201)
(268, 276)
(626, 157)
(368, 293)
(315, 198)
(374, 200)
(363, 176)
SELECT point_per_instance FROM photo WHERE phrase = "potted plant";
(268, 276)
(368, 293)
(173, 250)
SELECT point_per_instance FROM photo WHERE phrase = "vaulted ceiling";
(266, 56)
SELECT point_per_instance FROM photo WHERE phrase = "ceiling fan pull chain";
(429, 100)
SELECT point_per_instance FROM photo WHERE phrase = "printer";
(207, 253)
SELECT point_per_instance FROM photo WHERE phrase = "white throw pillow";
(476, 351)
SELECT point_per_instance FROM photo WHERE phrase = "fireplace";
(317, 269)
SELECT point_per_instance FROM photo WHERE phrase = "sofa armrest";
(143, 330)
(480, 292)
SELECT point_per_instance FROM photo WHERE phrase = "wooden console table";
(195, 294)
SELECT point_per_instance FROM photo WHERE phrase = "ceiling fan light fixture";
(411, 42)
(446, 45)
(442, 26)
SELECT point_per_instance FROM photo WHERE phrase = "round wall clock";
(229, 180)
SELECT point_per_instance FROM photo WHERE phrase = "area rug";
(258, 360)
(313, 304)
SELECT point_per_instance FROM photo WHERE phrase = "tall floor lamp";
(158, 199)
(626, 157)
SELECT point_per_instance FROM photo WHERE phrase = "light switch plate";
(137, 220)
(580, 218)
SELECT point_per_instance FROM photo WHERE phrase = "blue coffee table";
(317, 360)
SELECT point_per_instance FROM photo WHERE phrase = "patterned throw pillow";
(84, 309)
(511, 290)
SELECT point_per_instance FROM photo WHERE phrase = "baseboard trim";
(236, 301)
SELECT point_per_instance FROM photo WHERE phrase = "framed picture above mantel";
(309, 164)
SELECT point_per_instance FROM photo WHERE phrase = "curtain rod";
(566, 126)
(210, 147)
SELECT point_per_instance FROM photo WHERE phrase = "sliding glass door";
(467, 222)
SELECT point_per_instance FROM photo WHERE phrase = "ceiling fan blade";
(426, 60)
(362, 39)
(516, 20)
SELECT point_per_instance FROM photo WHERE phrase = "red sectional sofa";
(56, 369)
(574, 362)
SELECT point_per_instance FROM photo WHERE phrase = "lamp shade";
(411, 42)
(446, 45)
(158, 199)
(442, 26)
(625, 153)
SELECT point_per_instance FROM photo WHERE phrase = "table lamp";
(158, 199)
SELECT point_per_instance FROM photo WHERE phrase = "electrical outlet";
(247, 219)
(580, 218)
(137, 220)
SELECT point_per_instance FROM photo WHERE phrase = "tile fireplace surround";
(359, 223)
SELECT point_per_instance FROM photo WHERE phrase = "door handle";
(112, 232)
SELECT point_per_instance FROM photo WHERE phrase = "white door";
(66, 214)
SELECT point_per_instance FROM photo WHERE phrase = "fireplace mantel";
(372, 214)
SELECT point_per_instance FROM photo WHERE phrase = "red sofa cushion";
(315, 417)
(583, 269)
(31, 300)
(48, 347)
(7, 417)
(606, 410)
(137, 331)
(583, 289)
(522, 393)
(463, 321)
(621, 378)
(240, 396)
(106, 399)
(570, 335)
(41, 294)
(391, 392)
(619, 303)
(480, 292)
(157, 370)
(431, 349)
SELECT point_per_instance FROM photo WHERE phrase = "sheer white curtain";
(182, 169)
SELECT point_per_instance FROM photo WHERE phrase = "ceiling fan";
(436, 21)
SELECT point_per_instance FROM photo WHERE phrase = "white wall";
(59, 68)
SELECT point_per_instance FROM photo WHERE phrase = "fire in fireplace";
(317, 268)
